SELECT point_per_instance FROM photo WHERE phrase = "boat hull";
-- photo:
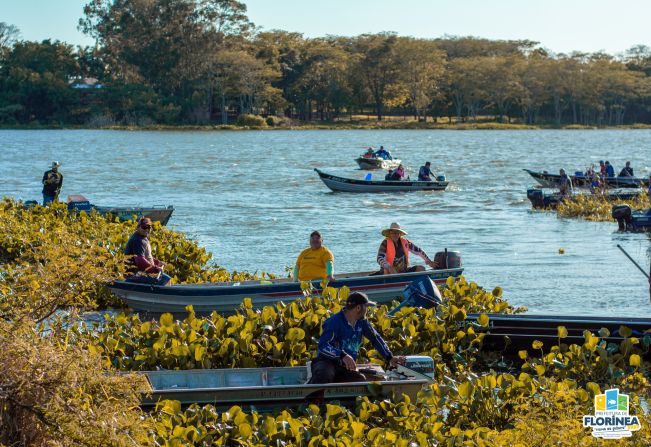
(264, 389)
(157, 214)
(376, 163)
(227, 297)
(547, 180)
(542, 199)
(342, 184)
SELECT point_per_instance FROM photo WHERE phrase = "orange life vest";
(391, 251)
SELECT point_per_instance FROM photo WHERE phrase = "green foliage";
(596, 207)
(287, 335)
(51, 258)
(494, 410)
(595, 361)
(251, 121)
(34, 82)
(57, 395)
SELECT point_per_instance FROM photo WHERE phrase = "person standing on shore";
(52, 182)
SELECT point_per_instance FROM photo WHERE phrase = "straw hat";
(395, 226)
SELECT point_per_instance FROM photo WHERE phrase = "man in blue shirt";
(425, 173)
(383, 153)
(610, 169)
(341, 337)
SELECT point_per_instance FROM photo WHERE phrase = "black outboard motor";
(448, 259)
(537, 197)
(623, 215)
(420, 293)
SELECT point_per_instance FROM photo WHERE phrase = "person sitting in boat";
(397, 174)
(610, 169)
(142, 265)
(383, 154)
(393, 254)
(369, 153)
(425, 173)
(627, 171)
(564, 184)
(341, 338)
(315, 262)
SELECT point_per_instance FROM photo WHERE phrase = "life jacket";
(391, 251)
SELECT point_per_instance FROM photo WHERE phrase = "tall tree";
(378, 64)
(422, 65)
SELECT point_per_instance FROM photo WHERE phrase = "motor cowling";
(448, 259)
(420, 293)
(417, 366)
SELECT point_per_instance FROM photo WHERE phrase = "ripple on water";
(257, 214)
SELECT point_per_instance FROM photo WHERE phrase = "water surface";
(252, 198)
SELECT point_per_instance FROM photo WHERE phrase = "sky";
(561, 26)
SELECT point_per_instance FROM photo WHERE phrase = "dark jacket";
(337, 337)
(52, 188)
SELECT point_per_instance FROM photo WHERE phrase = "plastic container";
(369, 176)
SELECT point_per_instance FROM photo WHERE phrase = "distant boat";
(344, 184)
(548, 180)
(268, 389)
(157, 213)
(376, 163)
(542, 199)
(226, 297)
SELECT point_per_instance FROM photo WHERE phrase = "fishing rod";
(633, 261)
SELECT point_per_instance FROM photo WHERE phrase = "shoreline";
(373, 125)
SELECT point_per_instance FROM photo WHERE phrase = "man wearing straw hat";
(393, 255)
(52, 181)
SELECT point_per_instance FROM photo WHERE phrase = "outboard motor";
(623, 215)
(440, 178)
(448, 259)
(537, 197)
(417, 367)
(420, 293)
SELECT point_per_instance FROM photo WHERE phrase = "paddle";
(633, 261)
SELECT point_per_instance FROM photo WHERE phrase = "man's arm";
(413, 248)
(327, 340)
(376, 339)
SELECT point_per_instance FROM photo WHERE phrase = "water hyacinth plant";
(62, 387)
(596, 207)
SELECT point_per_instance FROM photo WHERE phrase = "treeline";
(204, 62)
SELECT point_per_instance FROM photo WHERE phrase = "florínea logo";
(611, 419)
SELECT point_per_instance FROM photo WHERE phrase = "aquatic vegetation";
(57, 394)
(596, 207)
(60, 387)
(51, 258)
(493, 410)
(287, 334)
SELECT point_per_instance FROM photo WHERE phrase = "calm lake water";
(252, 198)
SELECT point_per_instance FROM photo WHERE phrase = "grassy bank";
(336, 125)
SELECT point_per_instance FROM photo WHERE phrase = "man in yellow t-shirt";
(315, 262)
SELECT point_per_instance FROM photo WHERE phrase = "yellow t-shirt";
(312, 263)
